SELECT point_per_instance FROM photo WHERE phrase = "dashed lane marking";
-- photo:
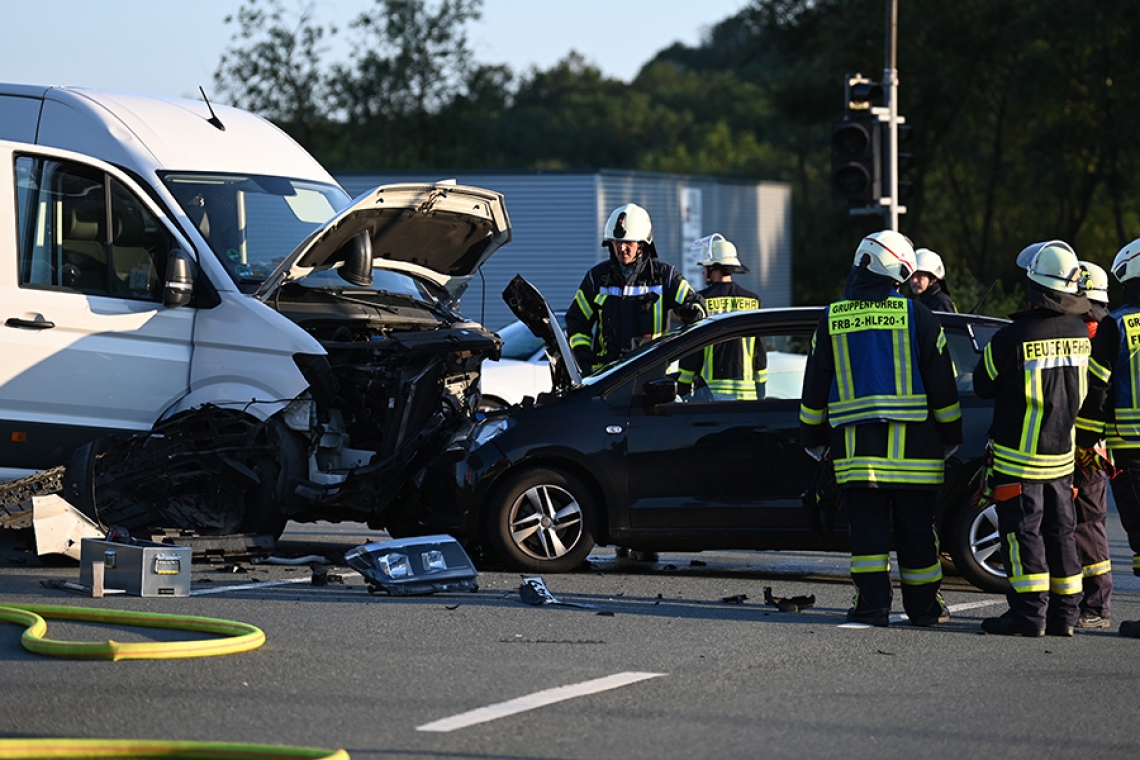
(536, 700)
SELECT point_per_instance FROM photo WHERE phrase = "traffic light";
(857, 145)
(856, 159)
(905, 133)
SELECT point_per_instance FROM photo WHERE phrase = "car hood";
(534, 312)
(442, 231)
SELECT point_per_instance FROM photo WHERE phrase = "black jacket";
(610, 315)
(937, 298)
(1035, 369)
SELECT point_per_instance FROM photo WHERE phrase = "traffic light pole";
(891, 80)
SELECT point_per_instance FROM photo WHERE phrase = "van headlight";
(419, 565)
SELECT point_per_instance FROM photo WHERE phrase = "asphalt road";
(660, 667)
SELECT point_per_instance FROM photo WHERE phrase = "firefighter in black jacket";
(1036, 371)
(733, 369)
(1112, 410)
(928, 283)
(879, 394)
(625, 301)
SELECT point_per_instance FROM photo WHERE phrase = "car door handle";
(36, 323)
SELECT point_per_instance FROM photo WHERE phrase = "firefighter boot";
(1011, 624)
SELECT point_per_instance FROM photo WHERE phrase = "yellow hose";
(237, 637)
(32, 749)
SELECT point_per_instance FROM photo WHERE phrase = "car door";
(713, 466)
(88, 346)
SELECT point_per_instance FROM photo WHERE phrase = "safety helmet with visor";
(1052, 265)
(1094, 281)
(714, 250)
(1126, 265)
(889, 254)
(930, 262)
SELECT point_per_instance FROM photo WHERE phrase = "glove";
(949, 451)
(690, 312)
(817, 452)
(1095, 458)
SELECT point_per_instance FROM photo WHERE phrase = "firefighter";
(735, 369)
(879, 395)
(928, 283)
(1090, 485)
(625, 301)
(1035, 369)
(1112, 412)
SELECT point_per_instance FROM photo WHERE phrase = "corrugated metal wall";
(557, 218)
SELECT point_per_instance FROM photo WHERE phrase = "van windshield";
(253, 222)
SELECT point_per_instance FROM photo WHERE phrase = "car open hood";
(533, 311)
(441, 230)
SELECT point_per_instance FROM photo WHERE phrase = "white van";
(225, 340)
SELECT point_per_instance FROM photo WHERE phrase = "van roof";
(148, 133)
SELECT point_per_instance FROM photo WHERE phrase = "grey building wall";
(557, 218)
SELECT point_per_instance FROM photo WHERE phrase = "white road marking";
(248, 586)
(899, 617)
(534, 701)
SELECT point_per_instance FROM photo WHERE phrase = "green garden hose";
(237, 637)
(74, 749)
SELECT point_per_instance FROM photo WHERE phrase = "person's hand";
(817, 452)
(690, 312)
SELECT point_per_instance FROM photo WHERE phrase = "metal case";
(142, 568)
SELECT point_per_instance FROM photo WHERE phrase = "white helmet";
(714, 250)
(1126, 265)
(891, 255)
(930, 262)
(628, 223)
(1052, 265)
(1094, 282)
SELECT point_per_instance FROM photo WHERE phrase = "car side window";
(81, 230)
(755, 367)
(964, 357)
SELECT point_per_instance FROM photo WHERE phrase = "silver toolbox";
(142, 568)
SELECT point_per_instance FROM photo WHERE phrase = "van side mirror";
(179, 288)
(357, 266)
(663, 390)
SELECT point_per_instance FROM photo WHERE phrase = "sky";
(170, 47)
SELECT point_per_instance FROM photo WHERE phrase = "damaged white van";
(209, 332)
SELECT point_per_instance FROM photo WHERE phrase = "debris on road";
(534, 591)
(789, 604)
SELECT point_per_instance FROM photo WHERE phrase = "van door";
(87, 346)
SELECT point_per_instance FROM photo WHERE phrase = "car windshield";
(252, 222)
(383, 281)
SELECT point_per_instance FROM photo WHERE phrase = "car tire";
(542, 520)
(262, 510)
(975, 545)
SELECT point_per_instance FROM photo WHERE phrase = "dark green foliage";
(1021, 113)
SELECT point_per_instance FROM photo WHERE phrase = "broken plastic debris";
(789, 604)
(735, 598)
(534, 591)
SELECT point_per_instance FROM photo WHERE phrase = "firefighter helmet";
(890, 254)
(1052, 265)
(930, 262)
(1094, 282)
(1126, 265)
(628, 223)
(714, 250)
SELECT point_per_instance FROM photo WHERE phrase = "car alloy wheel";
(976, 548)
(541, 520)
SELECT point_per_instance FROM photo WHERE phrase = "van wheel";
(975, 545)
(542, 520)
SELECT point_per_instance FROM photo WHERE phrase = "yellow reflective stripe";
(1099, 568)
(742, 389)
(579, 340)
(948, 413)
(1135, 562)
(884, 470)
(687, 376)
(1091, 426)
(896, 441)
(919, 576)
(897, 408)
(899, 346)
(761, 376)
(810, 416)
(1018, 464)
(941, 340)
(1034, 411)
(1065, 586)
(584, 304)
(988, 356)
(870, 563)
(1027, 584)
(1099, 371)
(844, 382)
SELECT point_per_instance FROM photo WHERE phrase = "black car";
(619, 458)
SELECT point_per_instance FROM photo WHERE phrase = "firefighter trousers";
(1037, 522)
(873, 512)
(1126, 492)
(1091, 535)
